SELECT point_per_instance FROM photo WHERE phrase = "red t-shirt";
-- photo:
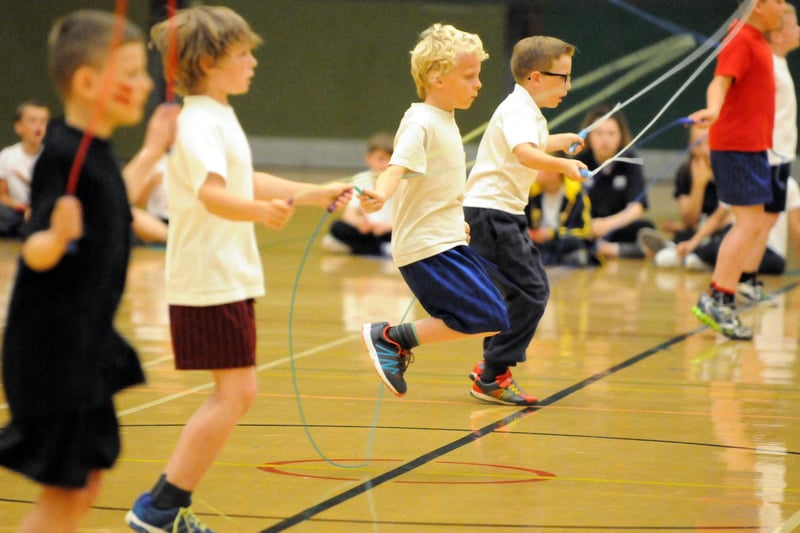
(747, 116)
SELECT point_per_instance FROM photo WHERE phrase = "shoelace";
(190, 521)
(511, 385)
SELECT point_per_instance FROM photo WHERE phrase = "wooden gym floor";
(647, 421)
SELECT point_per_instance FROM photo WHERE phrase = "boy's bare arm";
(532, 157)
(220, 202)
(562, 142)
(159, 137)
(385, 186)
(715, 97)
(331, 196)
(44, 249)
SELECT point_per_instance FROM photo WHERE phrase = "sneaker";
(692, 261)
(389, 358)
(504, 390)
(476, 371)
(332, 244)
(753, 293)
(651, 240)
(721, 318)
(667, 258)
(146, 518)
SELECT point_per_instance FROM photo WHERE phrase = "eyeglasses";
(566, 77)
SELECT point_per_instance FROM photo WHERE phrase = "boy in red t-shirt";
(741, 109)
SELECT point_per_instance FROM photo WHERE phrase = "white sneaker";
(753, 293)
(332, 244)
(667, 258)
(693, 262)
(651, 240)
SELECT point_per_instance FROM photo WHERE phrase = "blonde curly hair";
(436, 52)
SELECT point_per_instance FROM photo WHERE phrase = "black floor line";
(486, 430)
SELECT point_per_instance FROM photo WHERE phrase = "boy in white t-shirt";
(16, 166)
(362, 233)
(514, 147)
(213, 266)
(426, 178)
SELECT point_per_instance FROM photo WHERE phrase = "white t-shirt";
(784, 133)
(16, 167)
(498, 180)
(366, 180)
(551, 210)
(158, 201)
(210, 260)
(428, 217)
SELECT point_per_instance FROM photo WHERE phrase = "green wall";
(340, 69)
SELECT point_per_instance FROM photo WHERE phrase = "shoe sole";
(366, 338)
(140, 527)
(708, 321)
(492, 399)
(652, 242)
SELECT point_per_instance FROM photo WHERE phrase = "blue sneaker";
(146, 518)
(389, 358)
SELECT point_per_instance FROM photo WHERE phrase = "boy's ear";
(434, 77)
(86, 82)
(535, 76)
(207, 63)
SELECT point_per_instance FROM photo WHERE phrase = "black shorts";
(779, 177)
(62, 450)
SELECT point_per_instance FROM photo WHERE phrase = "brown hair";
(537, 53)
(85, 38)
(200, 31)
(20, 110)
(381, 141)
(617, 117)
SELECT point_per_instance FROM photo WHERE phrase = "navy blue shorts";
(454, 287)
(780, 175)
(742, 178)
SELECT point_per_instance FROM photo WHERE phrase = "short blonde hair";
(200, 31)
(436, 52)
(788, 9)
(537, 53)
(84, 38)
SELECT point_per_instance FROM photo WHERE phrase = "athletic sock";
(749, 277)
(404, 334)
(721, 295)
(491, 371)
(168, 496)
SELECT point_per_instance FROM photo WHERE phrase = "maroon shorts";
(213, 337)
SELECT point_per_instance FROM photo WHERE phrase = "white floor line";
(790, 525)
(208, 385)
